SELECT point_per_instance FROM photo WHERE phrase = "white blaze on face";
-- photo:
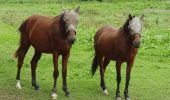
(71, 20)
(135, 26)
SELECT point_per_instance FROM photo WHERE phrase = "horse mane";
(62, 20)
(125, 30)
(125, 27)
(59, 20)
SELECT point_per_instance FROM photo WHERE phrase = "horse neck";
(127, 43)
(59, 26)
(125, 38)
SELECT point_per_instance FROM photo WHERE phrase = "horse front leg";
(128, 70)
(118, 72)
(64, 73)
(55, 75)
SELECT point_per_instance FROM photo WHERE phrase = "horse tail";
(94, 64)
(23, 39)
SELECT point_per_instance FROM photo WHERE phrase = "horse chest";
(61, 46)
(126, 55)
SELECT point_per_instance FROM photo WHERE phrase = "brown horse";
(120, 45)
(48, 35)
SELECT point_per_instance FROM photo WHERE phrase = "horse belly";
(40, 42)
(105, 41)
(108, 52)
(42, 47)
(106, 48)
(38, 36)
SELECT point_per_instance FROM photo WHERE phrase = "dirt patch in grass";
(9, 95)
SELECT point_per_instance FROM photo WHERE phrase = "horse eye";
(66, 26)
(131, 30)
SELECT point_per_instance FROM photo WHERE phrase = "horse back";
(106, 33)
(39, 32)
(38, 23)
(105, 41)
(112, 44)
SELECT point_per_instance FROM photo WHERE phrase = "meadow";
(150, 78)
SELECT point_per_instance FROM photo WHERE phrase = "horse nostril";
(136, 44)
(71, 41)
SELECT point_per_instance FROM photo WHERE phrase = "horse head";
(70, 18)
(135, 29)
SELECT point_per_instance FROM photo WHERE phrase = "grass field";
(150, 79)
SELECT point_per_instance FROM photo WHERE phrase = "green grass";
(150, 74)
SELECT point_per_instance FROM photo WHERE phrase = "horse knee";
(32, 63)
(127, 78)
(119, 79)
(55, 74)
(33, 67)
(64, 72)
(20, 62)
(35, 60)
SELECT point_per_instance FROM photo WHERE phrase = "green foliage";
(150, 75)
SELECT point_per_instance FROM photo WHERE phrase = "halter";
(135, 27)
(71, 27)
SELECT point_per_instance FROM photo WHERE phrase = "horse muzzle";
(137, 40)
(71, 30)
(136, 44)
(71, 41)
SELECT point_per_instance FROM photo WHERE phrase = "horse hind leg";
(55, 75)
(34, 61)
(20, 54)
(103, 65)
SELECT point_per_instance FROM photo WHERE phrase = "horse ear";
(77, 9)
(130, 17)
(142, 18)
(63, 9)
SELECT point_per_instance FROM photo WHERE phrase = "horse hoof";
(128, 98)
(68, 94)
(54, 96)
(37, 87)
(105, 92)
(118, 98)
(18, 85)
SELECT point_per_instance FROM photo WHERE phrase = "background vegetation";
(150, 74)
